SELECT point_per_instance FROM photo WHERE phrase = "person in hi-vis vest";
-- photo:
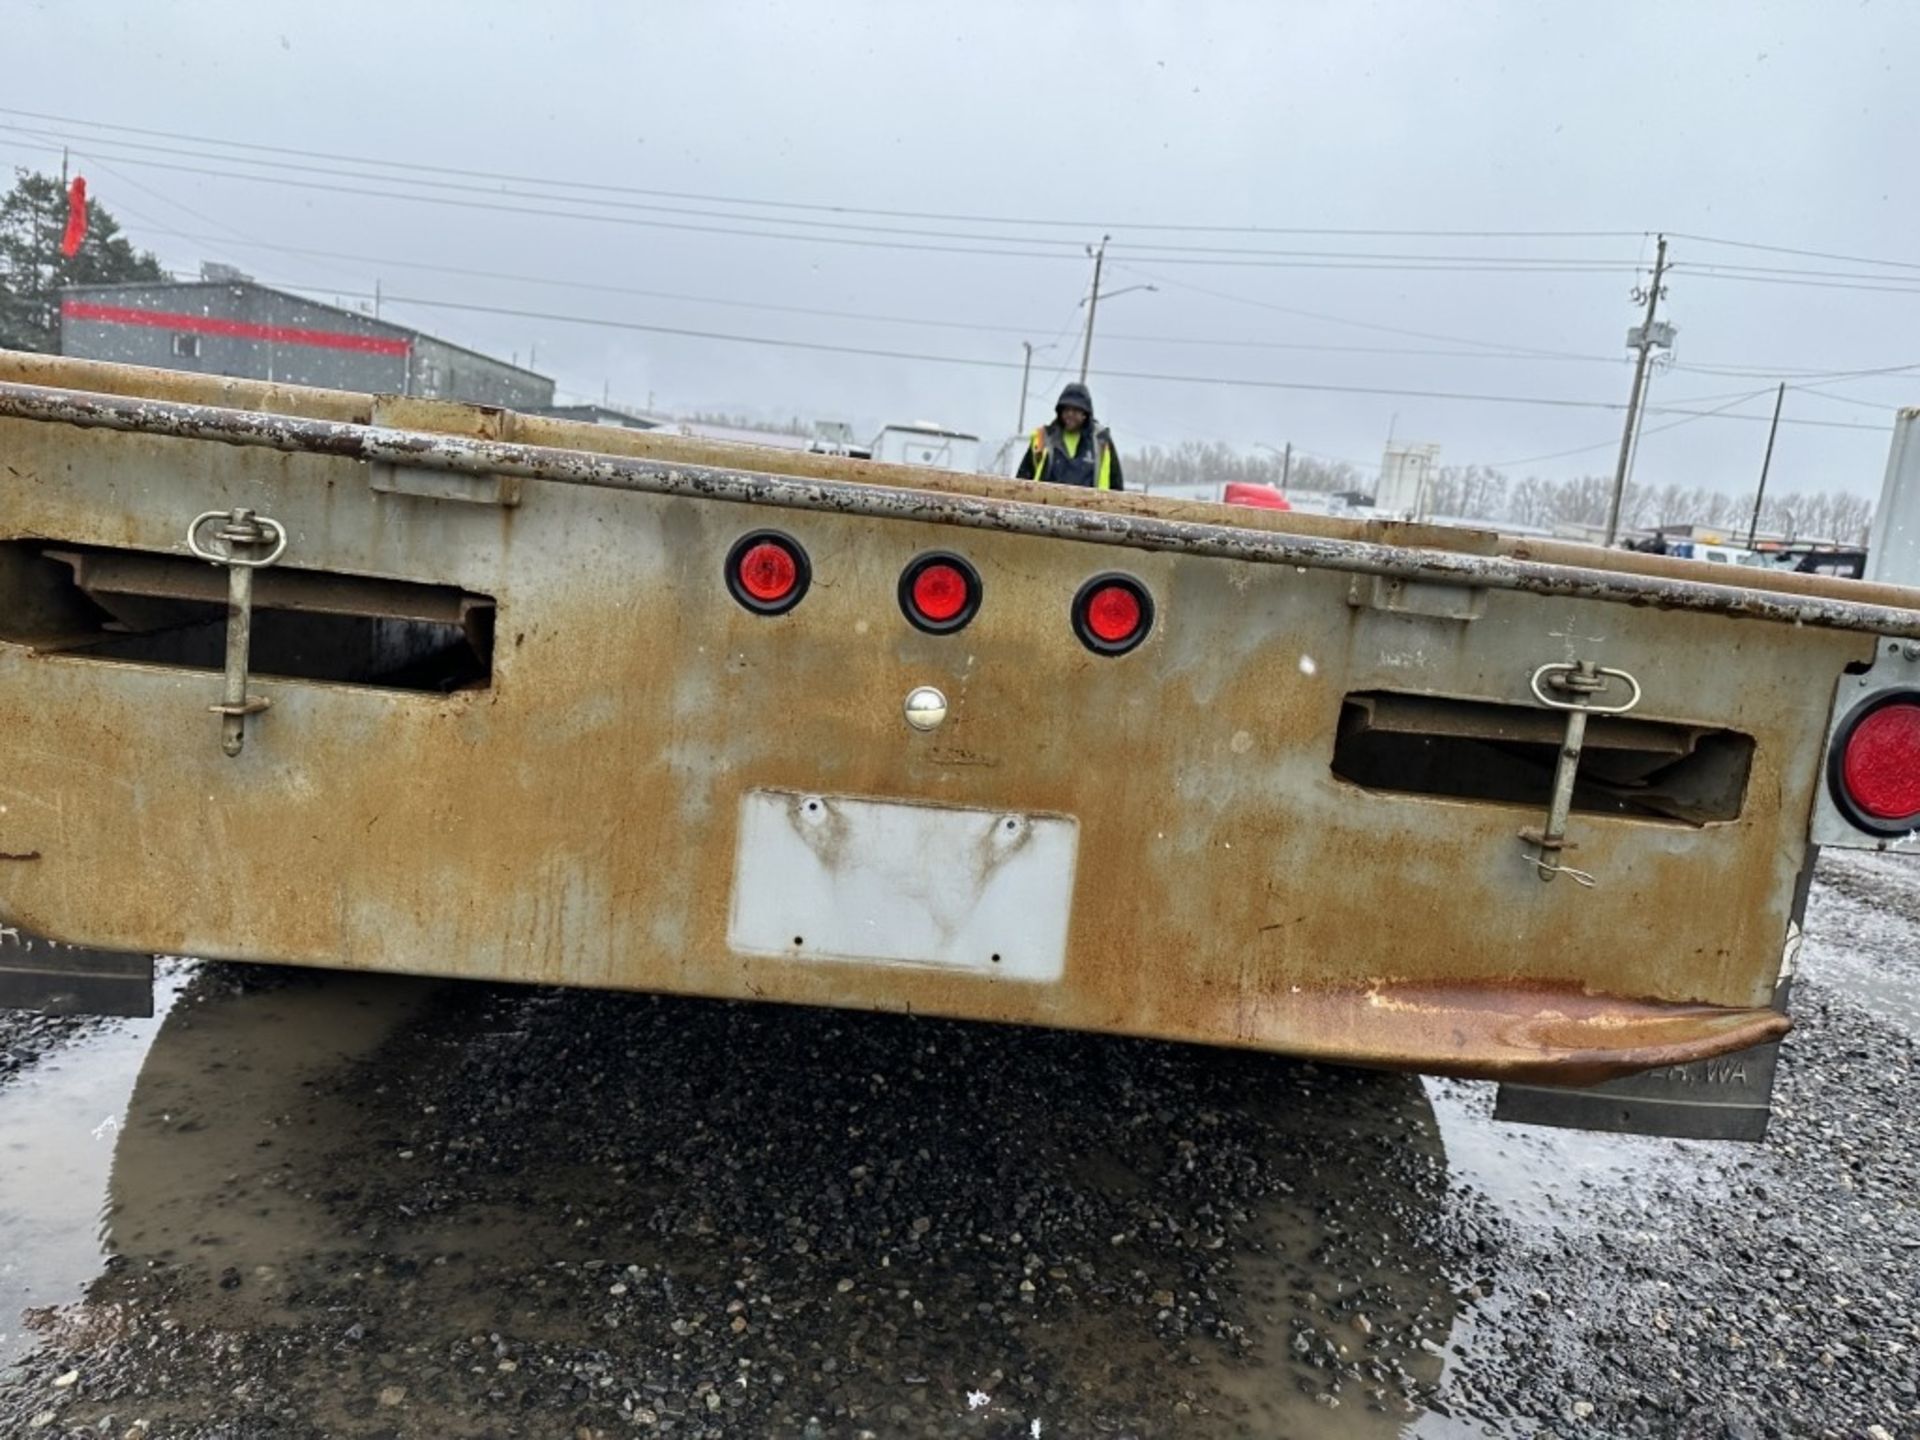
(1072, 450)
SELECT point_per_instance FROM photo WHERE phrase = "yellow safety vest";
(1103, 479)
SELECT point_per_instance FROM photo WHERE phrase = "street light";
(1124, 289)
(1092, 302)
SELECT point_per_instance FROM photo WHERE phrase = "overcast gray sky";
(1788, 125)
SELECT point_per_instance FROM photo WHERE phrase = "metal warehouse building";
(227, 324)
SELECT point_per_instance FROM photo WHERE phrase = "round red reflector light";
(767, 572)
(939, 592)
(1112, 614)
(1880, 767)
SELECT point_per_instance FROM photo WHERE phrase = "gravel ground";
(26, 1037)
(356, 1206)
(1736, 1295)
(1695, 1290)
(529, 1214)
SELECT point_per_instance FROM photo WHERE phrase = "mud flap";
(1729, 1098)
(40, 974)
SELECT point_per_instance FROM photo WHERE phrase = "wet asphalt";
(301, 1204)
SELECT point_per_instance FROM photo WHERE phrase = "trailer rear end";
(321, 679)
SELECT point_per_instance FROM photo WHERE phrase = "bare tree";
(1480, 492)
(1195, 462)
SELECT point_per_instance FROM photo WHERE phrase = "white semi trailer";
(924, 443)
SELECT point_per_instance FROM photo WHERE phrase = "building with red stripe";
(226, 323)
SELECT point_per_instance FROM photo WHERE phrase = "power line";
(1517, 351)
(1360, 261)
(1789, 250)
(1799, 271)
(830, 348)
(1494, 350)
(181, 206)
(548, 184)
(1503, 352)
(817, 207)
(1882, 406)
(1745, 399)
(1879, 372)
(1365, 260)
(1162, 253)
(1806, 284)
(731, 302)
(1238, 382)
(621, 220)
(491, 190)
(1789, 372)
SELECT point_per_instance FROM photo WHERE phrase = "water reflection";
(59, 1121)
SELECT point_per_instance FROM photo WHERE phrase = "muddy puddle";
(59, 1127)
(353, 1205)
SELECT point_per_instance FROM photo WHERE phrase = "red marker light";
(1112, 614)
(1880, 765)
(939, 593)
(767, 573)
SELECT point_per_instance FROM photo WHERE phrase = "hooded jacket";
(1048, 459)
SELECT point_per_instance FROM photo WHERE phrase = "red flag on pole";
(76, 218)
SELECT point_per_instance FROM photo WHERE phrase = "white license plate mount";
(893, 882)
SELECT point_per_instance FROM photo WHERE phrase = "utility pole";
(1093, 303)
(1643, 340)
(1026, 369)
(49, 234)
(1779, 399)
(1286, 460)
(65, 186)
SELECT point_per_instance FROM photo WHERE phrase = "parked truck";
(325, 679)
